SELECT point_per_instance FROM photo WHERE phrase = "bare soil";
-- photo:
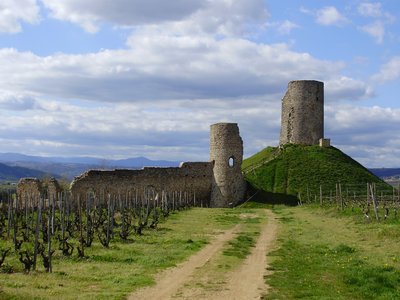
(245, 282)
(248, 281)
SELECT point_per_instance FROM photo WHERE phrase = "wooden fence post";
(374, 202)
(320, 195)
(38, 221)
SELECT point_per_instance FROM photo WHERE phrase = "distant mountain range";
(386, 172)
(20, 165)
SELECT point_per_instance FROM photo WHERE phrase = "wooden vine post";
(374, 202)
(38, 221)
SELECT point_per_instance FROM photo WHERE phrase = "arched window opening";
(231, 161)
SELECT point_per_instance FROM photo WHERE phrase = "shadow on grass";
(261, 197)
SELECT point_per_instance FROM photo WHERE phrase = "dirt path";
(245, 282)
(171, 280)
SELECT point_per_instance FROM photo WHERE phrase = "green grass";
(241, 246)
(259, 158)
(302, 169)
(114, 272)
(324, 254)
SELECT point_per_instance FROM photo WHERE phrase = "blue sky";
(127, 78)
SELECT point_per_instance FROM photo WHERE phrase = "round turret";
(303, 113)
(226, 152)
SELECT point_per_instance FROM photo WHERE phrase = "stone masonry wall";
(303, 113)
(29, 191)
(215, 183)
(190, 176)
(226, 152)
(53, 189)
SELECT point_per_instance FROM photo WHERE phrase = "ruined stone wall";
(226, 152)
(303, 113)
(218, 183)
(29, 191)
(193, 177)
(53, 189)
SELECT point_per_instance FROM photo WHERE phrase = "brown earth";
(245, 282)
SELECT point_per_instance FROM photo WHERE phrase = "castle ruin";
(30, 190)
(302, 119)
(217, 183)
(226, 153)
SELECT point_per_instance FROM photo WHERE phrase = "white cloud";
(382, 18)
(375, 30)
(12, 101)
(364, 119)
(284, 27)
(347, 88)
(330, 16)
(161, 67)
(389, 71)
(368, 9)
(220, 16)
(91, 13)
(365, 133)
(375, 10)
(13, 12)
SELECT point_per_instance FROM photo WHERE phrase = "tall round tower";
(226, 151)
(303, 113)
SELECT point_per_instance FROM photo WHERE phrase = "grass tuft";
(241, 246)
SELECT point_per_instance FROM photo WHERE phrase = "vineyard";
(378, 201)
(35, 231)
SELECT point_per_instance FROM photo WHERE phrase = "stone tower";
(226, 151)
(303, 113)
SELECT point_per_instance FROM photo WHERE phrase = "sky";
(127, 78)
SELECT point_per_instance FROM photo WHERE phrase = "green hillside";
(296, 169)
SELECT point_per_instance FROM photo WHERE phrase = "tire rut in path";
(172, 279)
(245, 282)
(248, 282)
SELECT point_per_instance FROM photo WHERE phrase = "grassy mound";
(296, 169)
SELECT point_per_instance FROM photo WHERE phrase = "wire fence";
(374, 200)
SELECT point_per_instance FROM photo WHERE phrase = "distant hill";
(69, 167)
(62, 170)
(302, 169)
(386, 172)
(8, 173)
(136, 162)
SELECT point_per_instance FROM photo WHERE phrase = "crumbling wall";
(193, 177)
(53, 189)
(226, 153)
(218, 183)
(303, 113)
(29, 191)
